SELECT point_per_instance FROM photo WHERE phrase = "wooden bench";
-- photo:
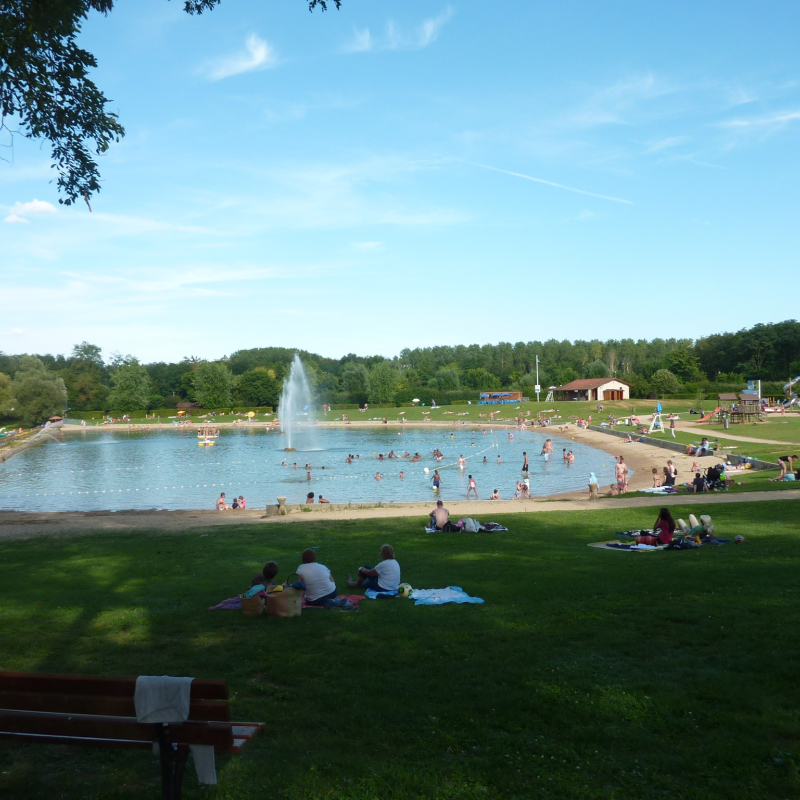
(99, 712)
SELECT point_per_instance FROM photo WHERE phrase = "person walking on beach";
(472, 487)
(672, 428)
(619, 472)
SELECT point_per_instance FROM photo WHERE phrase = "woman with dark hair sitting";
(385, 577)
(316, 579)
(268, 572)
(663, 530)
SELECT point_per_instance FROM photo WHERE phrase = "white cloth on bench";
(162, 698)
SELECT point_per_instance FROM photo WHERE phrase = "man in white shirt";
(384, 577)
(316, 579)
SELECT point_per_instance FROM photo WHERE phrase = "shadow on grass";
(586, 673)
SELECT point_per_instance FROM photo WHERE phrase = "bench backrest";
(85, 705)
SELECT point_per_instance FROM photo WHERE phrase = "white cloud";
(362, 41)
(13, 218)
(620, 103)
(429, 30)
(770, 121)
(16, 332)
(663, 144)
(34, 207)
(256, 56)
(395, 39)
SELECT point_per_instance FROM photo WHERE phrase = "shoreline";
(22, 525)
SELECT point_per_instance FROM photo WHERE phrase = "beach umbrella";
(415, 400)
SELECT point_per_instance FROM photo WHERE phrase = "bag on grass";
(252, 606)
(471, 525)
(284, 601)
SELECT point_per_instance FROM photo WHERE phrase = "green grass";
(765, 452)
(587, 674)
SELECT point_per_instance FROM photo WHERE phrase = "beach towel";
(231, 604)
(439, 597)
(487, 527)
(373, 595)
(628, 548)
(355, 599)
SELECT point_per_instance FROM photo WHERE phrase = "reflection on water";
(167, 469)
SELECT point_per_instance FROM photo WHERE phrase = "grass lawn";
(765, 452)
(587, 673)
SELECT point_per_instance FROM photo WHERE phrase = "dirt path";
(19, 525)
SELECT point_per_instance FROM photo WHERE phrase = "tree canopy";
(255, 376)
(45, 86)
(35, 393)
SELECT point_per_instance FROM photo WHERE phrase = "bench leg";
(173, 764)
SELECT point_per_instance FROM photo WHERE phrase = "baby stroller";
(714, 480)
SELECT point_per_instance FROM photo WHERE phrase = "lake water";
(168, 470)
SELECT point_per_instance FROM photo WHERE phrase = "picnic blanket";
(439, 597)
(235, 603)
(355, 599)
(231, 604)
(373, 595)
(629, 548)
(486, 527)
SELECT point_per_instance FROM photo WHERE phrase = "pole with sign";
(537, 388)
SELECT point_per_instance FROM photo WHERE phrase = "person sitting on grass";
(699, 483)
(384, 577)
(316, 579)
(440, 518)
(663, 530)
(268, 572)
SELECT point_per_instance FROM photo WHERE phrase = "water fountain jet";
(295, 399)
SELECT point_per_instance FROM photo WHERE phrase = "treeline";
(84, 381)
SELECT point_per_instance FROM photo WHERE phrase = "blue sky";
(415, 173)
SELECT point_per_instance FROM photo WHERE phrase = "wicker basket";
(286, 603)
(252, 606)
